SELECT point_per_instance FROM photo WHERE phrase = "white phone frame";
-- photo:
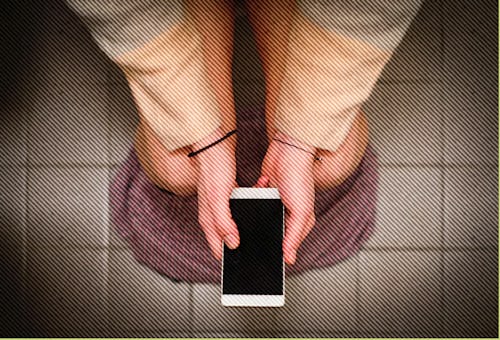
(244, 300)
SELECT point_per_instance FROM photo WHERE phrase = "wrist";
(289, 139)
(214, 136)
(214, 149)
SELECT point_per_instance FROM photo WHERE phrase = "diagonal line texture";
(406, 245)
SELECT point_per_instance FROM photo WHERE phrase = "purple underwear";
(163, 232)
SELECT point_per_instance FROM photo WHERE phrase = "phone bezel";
(256, 300)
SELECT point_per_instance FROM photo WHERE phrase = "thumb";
(228, 229)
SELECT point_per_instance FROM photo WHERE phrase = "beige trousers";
(336, 52)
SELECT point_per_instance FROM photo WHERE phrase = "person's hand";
(291, 171)
(217, 179)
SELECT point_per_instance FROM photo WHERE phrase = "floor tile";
(13, 133)
(226, 335)
(69, 333)
(470, 207)
(400, 293)
(469, 57)
(471, 293)
(467, 16)
(68, 206)
(246, 60)
(210, 316)
(470, 41)
(65, 290)
(405, 123)
(162, 335)
(12, 229)
(17, 46)
(13, 181)
(123, 119)
(115, 240)
(68, 116)
(470, 124)
(316, 335)
(65, 52)
(321, 301)
(470, 83)
(197, 335)
(143, 300)
(418, 57)
(69, 124)
(249, 93)
(409, 208)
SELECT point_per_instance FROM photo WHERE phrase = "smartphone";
(253, 275)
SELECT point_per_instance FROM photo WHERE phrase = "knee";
(171, 171)
(338, 165)
(172, 177)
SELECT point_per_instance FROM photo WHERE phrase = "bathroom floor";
(430, 269)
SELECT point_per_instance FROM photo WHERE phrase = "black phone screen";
(256, 266)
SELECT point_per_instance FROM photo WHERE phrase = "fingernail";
(231, 241)
(262, 181)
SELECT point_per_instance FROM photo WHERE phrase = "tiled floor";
(430, 269)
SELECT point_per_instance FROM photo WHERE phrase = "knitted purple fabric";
(162, 229)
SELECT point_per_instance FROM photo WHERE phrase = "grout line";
(108, 120)
(24, 259)
(410, 165)
(68, 247)
(191, 308)
(442, 174)
(441, 164)
(358, 291)
(62, 166)
(441, 42)
(354, 334)
(106, 293)
(27, 212)
(435, 249)
(108, 225)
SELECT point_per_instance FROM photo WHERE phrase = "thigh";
(337, 51)
(122, 26)
(379, 23)
(337, 166)
(170, 170)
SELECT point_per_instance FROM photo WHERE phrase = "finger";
(295, 225)
(211, 235)
(226, 226)
(215, 243)
(262, 182)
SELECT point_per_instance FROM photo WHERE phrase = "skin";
(211, 174)
(293, 171)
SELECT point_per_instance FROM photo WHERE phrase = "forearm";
(284, 137)
(219, 136)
